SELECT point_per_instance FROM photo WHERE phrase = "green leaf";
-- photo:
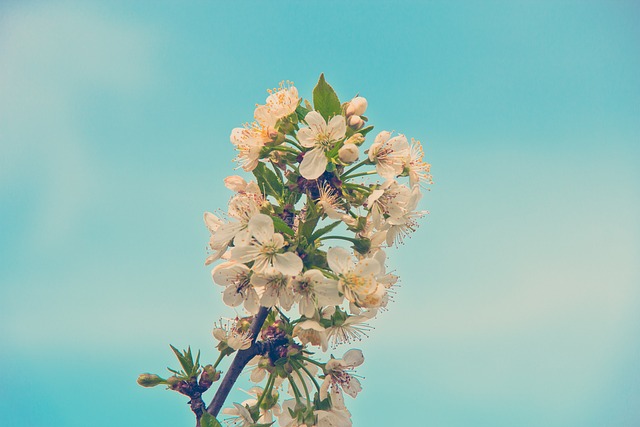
(324, 230)
(268, 181)
(325, 99)
(302, 112)
(208, 420)
(311, 219)
(282, 226)
(366, 130)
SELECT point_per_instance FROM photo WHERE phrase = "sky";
(520, 293)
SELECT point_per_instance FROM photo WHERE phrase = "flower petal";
(339, 260)
(337, 128)
(313, 118)
(313, 164)
(261, 227)
(287, 263)
(353, 357)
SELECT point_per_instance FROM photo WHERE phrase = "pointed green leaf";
(208, 420)
(268, 181)
(324, 230)
(325, 99)
(281, 226)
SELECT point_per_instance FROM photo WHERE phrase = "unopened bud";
(211, 373)
(348, 153)
(357, 106)
(173, 382)
(355, 122)
(356, 138)
(235, 183)
(150, 380)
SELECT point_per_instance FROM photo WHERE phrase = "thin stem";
(295, 144)
(296, 391)
(346, 173)
(267, 388)
(218, 360)
(287, 149)
(304, 385)
(239, 362)
(357, 187)
(348, 239)
(359, 174)
(314, 362)
(313, 378)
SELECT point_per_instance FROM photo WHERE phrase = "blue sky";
(520, 292)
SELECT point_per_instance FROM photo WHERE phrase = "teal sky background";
(520, 296)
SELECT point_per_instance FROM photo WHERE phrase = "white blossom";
(321, 137)
(388, 154)
(339, 378)
(264, 249)
(313, 290)
(239, 290)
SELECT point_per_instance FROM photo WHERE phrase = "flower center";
(355, 283)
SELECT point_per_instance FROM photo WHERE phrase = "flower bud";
(357, 106)
(235, 183)
(355, 122)
(150, 380)
(348, 153)
(173, 382)
(356, 138)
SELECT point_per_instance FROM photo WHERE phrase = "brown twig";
(239, 362)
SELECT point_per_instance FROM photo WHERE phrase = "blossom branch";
(239, 362)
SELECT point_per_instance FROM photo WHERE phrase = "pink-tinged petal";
(269, 297)
(277, 240)
(399, 144)
(261, 264)
(244, 253)
(257, 375)
(382, 137)
(243, 237)
(352, 387)
(311, 324)
(286, 298)
(374, 196)
(325, 387)
(388, 170)
(391, 235)
(353, 358)
(339, 260)
(287, 263)
(214, 257)
(219, 334)
(367, 267)
(307, 137)
(327, 293)
(227, 273)
(313, 118)
(231, 297)
(337, 400)
(263, 115)
(225, 234)
(337, 128)
(314, 275)
(307, 307)
(238, 136)
(212, 222)
(259, 280)
(313, 164)
(252, 303)
(261, 227)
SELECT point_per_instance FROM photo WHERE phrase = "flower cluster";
(279, 259)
